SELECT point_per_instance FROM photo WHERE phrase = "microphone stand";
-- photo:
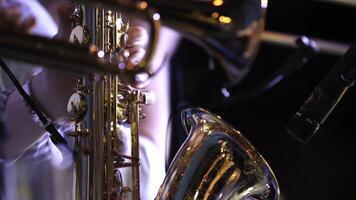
(311, 115)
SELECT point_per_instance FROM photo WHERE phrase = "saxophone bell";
(217, 162)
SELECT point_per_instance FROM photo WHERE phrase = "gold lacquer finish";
(100, 105)
(216, 162)
(228, 29)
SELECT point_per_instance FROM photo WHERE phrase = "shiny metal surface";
(285, 39)
(217, 162)
(98, 145)
(229, 30)
(59, 54)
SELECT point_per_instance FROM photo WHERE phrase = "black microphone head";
(302, 128)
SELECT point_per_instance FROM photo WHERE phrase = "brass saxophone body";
(216, 161)
(100, 106)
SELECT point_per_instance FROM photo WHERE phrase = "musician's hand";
(135, 45)
(11, 18)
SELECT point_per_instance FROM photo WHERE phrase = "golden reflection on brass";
(142, 5)
(215, 15)
(225, 19)
(215, 172)
(220, 39)
(97, 157)
(222, 161)
(217, 164)
(218, 2)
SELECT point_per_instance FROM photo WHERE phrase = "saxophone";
(215, 162)
(101, 105)
(229, 166)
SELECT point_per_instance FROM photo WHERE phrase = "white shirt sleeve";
(45, 26)
(152, 165)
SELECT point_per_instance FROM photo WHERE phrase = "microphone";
(311, 115)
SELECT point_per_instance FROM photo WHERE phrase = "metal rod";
(134, 119)
(285, 39)
(52, 53)
(351, 3)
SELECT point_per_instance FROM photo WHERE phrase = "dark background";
(324, 168)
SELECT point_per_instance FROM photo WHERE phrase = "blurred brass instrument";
(216, 161)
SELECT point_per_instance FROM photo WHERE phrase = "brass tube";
(134, 119)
